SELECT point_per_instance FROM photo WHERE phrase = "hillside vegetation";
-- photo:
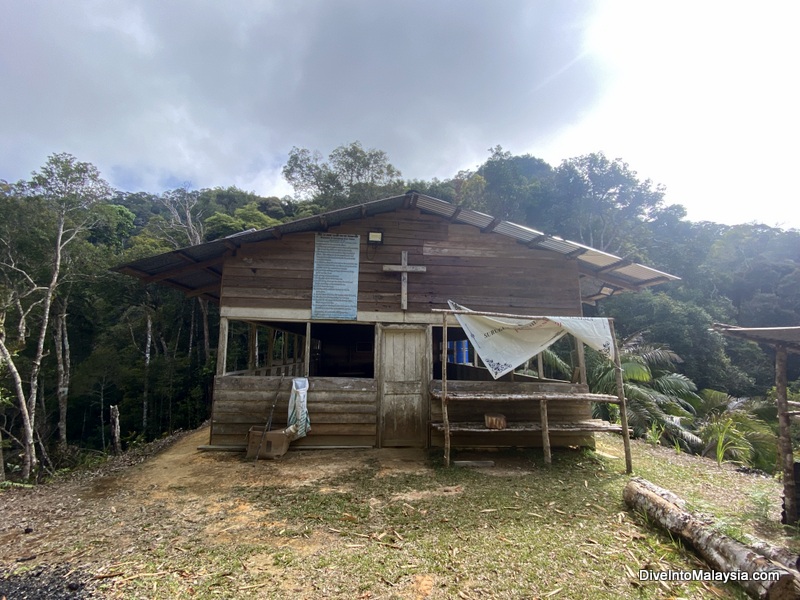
(77, 339)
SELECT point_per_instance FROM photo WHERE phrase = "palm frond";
(555, 363)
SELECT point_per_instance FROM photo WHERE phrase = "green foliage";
(602, 203)
(653, 436)
(249, 216)
(113, 224)
(351, 175)
(732, 431)
(685, 328)
(745, 274)
(659, 401)
(506, 186)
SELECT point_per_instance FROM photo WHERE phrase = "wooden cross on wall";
(404, 268)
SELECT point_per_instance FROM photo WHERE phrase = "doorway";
(405, 371)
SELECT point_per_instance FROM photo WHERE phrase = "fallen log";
(776, 554)
(747, 567)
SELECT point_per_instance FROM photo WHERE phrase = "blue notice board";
(335, 291)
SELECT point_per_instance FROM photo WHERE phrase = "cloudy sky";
(699, 96)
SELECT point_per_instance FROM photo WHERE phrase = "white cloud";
(698, 96)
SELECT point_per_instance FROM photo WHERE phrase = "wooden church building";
(351, 299)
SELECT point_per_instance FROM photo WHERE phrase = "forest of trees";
(77, 339)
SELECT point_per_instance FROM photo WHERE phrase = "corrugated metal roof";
(195, 269)
(773, 336)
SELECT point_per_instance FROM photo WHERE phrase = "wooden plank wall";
(464, 372)
(483, 271)
(342, 411)
(290, 369)
(557, 412)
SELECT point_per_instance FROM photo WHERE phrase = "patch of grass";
(561, 530)
(520, 530)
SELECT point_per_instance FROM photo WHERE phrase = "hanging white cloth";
(504, 343)
(298, 421)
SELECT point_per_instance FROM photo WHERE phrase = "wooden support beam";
(295, 348)
(548, 459)
(623, 410)
(134, 272)
(307, 351)
(183, 268)
(204, 290)
(581, 361)
(270, 349)
(222, 346)
(252, 347)
(445, 417)
(576, 253)
(534, 243)
(492, 226)
(784, 436)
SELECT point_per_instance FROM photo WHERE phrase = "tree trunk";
(115, 430)
(102, 415)
(36, 364)
(145, 400)
(720, 551)
(780, 555)
(28, 440)
(63, 369)
(2, 459)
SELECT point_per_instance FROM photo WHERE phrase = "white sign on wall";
(335, 291)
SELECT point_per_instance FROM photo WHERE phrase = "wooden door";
(405, 371)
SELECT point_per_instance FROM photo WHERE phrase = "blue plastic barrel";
(462, 352)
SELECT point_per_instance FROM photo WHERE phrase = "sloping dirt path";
(123, 522)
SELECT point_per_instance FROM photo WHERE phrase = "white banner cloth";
(504, 343)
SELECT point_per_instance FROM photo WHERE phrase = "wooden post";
(307, 351)
(548, 459)
(623, 410)
(270, 351)
(222, 346)
(252, 355)
(295, 351)
(784, 439)
(445, 417)
(540, 365)
(581, 361)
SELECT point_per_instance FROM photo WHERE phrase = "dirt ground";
(64, 539)
(139, 519)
